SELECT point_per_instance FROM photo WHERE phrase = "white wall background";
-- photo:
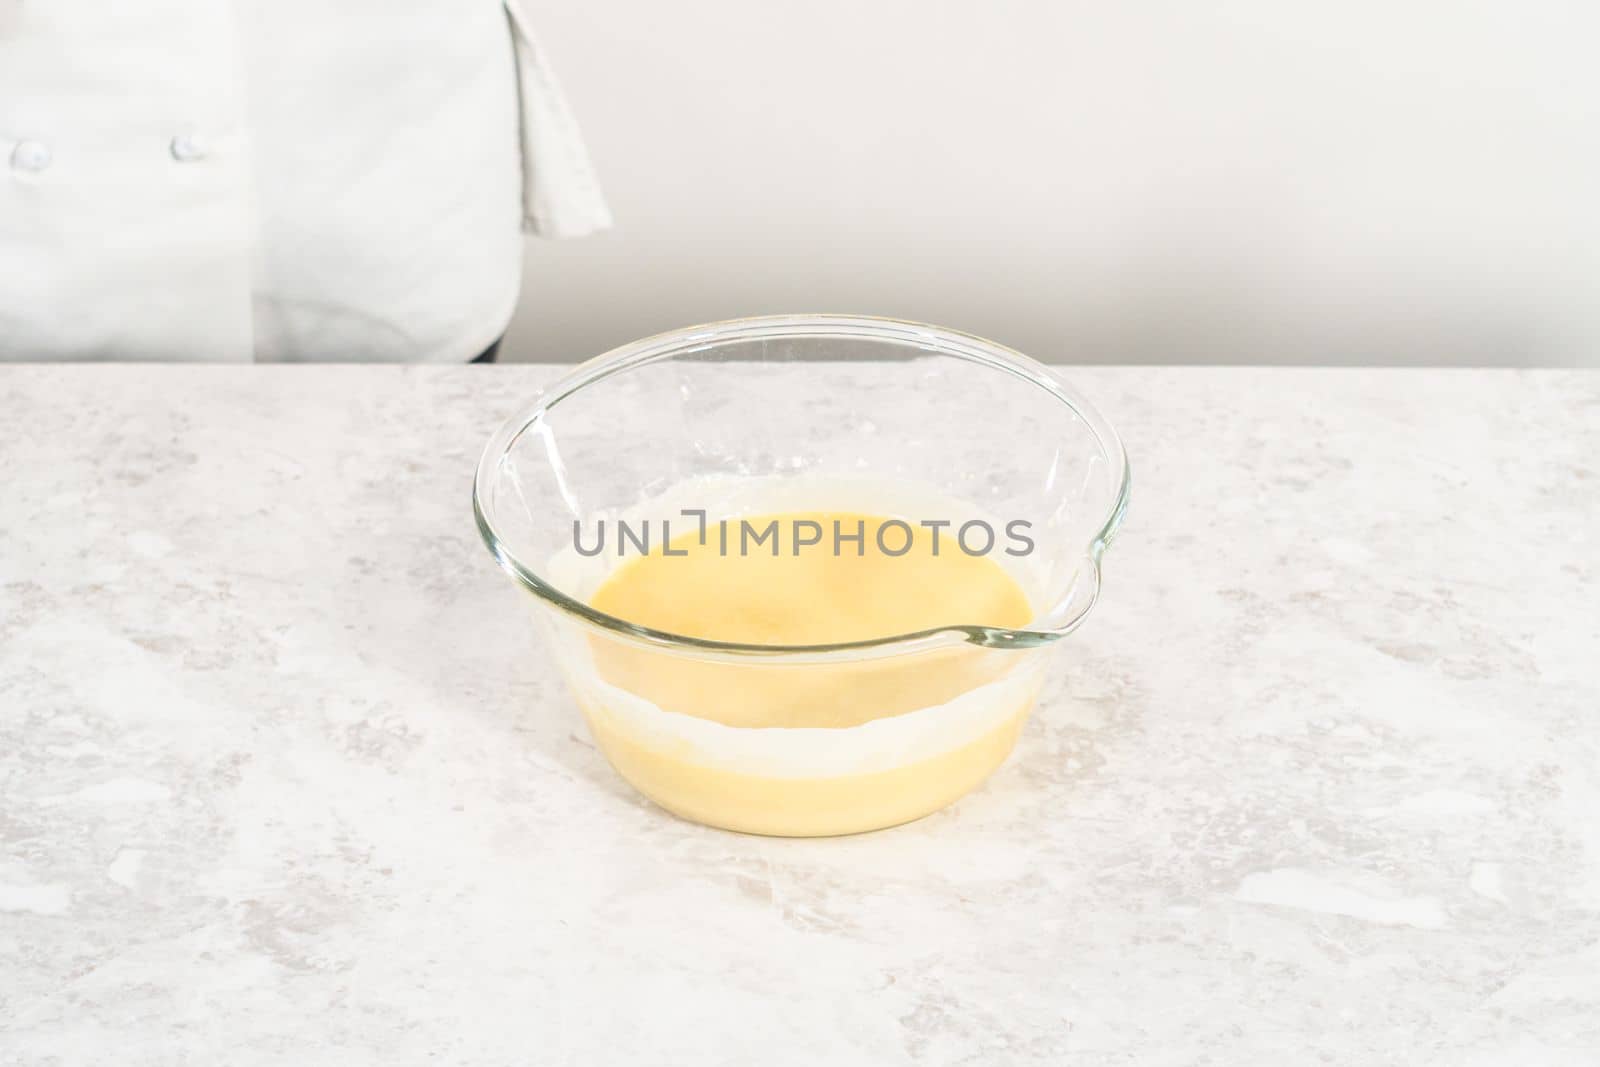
(1255, 180)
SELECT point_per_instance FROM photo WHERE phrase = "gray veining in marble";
(284, 777)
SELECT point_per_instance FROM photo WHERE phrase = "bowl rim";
(688, 339)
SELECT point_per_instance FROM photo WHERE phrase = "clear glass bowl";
(790, 413)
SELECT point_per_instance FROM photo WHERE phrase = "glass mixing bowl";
(803, 413)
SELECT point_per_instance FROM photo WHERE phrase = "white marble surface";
(285, 779)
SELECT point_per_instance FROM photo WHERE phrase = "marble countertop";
(285, 778)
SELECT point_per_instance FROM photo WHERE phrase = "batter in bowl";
(716, 585)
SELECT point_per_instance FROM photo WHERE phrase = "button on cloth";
(32, 156)
(186, 148)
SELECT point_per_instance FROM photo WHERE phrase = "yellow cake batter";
(805, 595)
